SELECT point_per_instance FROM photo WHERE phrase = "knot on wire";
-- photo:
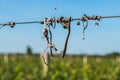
(64, 22)
(85, 20)
(11, 24)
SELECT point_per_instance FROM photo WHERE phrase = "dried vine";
(50, 23)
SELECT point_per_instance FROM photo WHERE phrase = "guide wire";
(65, 22)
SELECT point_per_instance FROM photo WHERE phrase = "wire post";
(45, 60)
(98, 59)
(85, 59)
(118, 59)
(85, 66)
(6, 58)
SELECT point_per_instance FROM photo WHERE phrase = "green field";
(69, 68)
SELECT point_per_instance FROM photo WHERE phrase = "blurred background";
(95, 58)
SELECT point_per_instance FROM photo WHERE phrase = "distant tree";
(113, 54)
(29, 50)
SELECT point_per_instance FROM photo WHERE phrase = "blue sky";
(99, 40)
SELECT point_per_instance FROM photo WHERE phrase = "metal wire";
(65, 22)
(41, 22)
(27, 22)
(110, 16)
(31, 22)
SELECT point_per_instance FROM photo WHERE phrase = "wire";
(65, 22)
(31, 22)
(111, 17)
(27, 22)
(72, 19)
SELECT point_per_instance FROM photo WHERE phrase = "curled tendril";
(54, 18)
(78, 22)
(84, 28)
(48, 35)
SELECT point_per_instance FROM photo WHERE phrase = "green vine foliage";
(69, 68)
